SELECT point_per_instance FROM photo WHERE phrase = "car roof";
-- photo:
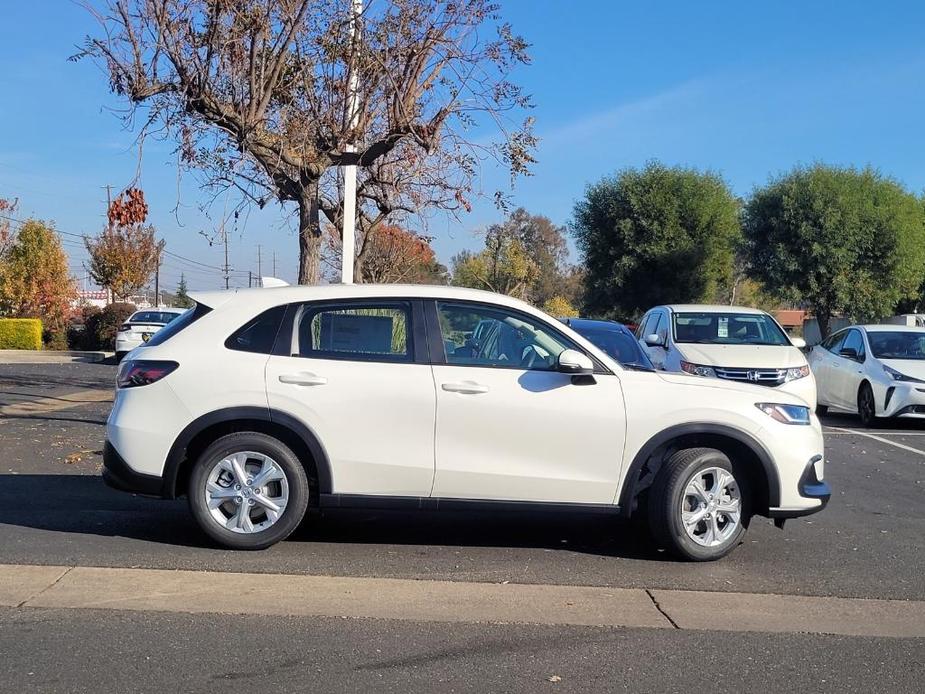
(885, 327)
(711, 308)
(162, 309)
(594, 323)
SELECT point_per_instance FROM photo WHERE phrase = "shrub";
(80, 331)
(104, 325)
(20, 333)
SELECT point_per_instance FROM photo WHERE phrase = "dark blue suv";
(614, 338)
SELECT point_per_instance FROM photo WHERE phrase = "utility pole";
(226, 269)
(157, 286)
(274, 263)
(348, 233)
(250, 279)
(259, 267)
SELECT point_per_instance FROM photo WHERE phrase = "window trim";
(417, 342)
(438, 351)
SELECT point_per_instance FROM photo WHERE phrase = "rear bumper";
(118, 475)
(816, 492)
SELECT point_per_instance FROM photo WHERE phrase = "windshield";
(617, 344)
(897, 345)
(153, 317)
(728, 329)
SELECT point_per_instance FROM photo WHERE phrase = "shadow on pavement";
(82, 504)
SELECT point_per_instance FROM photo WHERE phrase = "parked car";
(258, 403)
(141, 327)
(615, 339)
(730, 343)
(874, 370)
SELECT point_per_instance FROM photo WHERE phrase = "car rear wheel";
(699, 506)
(248, 491)
(867, 408)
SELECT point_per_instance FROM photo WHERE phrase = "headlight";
(697, 369)
(785, 414)
(900, 377)
(797, 372)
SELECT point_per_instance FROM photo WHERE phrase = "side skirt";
(423, 503)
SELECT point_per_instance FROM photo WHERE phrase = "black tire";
(667, 497)
(867, 406)
(822, 410)
(292, 515)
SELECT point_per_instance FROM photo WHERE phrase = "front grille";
(761, 377)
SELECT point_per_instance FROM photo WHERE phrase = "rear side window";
(368, 332)
(173, 327)
(259, 334)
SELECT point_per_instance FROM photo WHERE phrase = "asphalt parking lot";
(55, 510)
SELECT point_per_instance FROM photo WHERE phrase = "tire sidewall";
(673, 494)
(296, 478)
(872, 420)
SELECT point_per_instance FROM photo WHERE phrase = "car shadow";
(83, 504)
(846, 420)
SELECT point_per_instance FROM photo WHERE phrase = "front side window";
(856, 342)
(834, 343)
(728, 329)
(897, 344)
(368, 332)
(483, 336)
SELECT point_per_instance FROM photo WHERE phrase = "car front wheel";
(867, 407)
(699, 506)
(248, 491)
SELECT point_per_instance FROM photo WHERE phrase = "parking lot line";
(158, 590)
(878, 438)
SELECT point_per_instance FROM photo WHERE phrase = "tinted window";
(153, 317)
(185, 320)
(378, 332)
(259, 334)
(897, 344)
(617, 344)
(648, 325)
(482, 336)
(728, 329)
(661, 328)
(854, 341)
(834, 343)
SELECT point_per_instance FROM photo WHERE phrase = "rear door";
(356, 373)
(822, 360)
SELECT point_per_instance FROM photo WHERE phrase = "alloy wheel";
(246, 492)
(711, 507)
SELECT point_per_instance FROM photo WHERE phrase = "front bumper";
(118, 475)
(811, 489)
(901, 400)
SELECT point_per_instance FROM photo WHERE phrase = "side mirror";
(573, 362)
(798, 342)
(654, 340)
(849, 353)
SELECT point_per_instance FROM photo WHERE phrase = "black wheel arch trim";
(631, 479)
(177, 454)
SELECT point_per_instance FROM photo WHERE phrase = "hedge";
(20, 333)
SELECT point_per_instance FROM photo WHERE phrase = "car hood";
(907, 367)
(743, 356)
(761, 393)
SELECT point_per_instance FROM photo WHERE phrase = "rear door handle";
(303, 379)
(466, 387)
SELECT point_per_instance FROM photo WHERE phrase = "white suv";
(259, 403)
(728, 342)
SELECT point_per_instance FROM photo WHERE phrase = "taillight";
(141, 372)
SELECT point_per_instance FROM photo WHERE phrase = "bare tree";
(257, 93)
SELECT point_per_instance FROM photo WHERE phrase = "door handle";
(466, 387)
(303, 379)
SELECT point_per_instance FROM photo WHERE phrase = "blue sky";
(747, 89)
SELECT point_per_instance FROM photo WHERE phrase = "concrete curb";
(22, 356)
(160, 590)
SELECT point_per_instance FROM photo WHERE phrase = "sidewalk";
(158, 590)
(24, 356)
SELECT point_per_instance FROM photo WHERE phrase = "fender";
(177, 452)
(694, 428)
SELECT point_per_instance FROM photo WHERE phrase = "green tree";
(837, 239)
(656, 235)
(34, 279)
(183, 299)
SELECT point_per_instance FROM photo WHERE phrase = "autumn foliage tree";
(391, 255)
(34, 279)
(258, 95)
(126, 254)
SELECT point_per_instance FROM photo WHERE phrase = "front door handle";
(465, 387)
(303, 379)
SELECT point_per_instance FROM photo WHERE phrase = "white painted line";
(834, 432)
(881, 440)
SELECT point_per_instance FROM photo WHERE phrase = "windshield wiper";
(636, 366)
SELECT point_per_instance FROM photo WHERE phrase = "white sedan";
(141, 326)
(874, 370)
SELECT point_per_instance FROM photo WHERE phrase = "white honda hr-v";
(259, 403)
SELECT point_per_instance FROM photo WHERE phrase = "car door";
(357, 374)
(850, 371)
(509, 425)
(659, 354)
(822, 362)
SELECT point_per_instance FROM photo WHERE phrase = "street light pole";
(348, 234)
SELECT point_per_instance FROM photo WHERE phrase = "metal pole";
(350, 172)
(259, 268)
